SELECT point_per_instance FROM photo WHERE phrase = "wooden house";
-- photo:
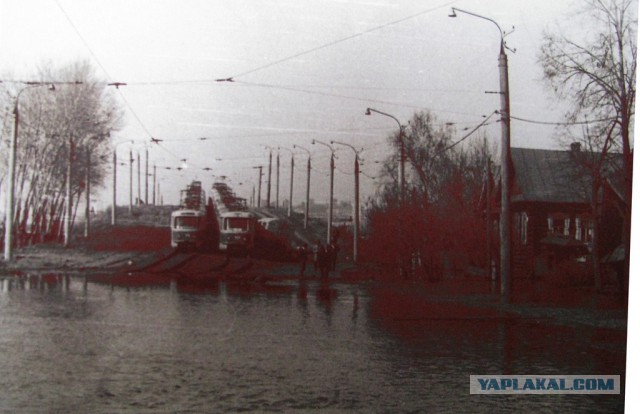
(552, 210)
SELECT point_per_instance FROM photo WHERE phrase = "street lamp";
(332, 167)
(505, 161)
(8, 233)
(356, 204)
(401, 139)
(306, 208)
(290, 209)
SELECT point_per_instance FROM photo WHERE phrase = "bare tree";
(438, 217)
(597, 74)
(56, 132)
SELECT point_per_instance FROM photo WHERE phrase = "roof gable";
(549, 176)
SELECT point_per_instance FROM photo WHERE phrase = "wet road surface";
(69, 344)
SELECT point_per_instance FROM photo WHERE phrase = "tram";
(190, 223)
(235, 221)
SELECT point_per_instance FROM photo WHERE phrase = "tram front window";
(237, 223)
(186, 222)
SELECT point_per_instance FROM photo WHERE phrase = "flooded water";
(68, 345)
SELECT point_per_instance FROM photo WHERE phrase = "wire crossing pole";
(259, 184)
(113, 201)
(69, 212)
(290, 211)
(146, 176)
(356, 199)
(139, 190)
(505, 163)
(277, 180)
(130, 181)
(331, 168)
(87, 207)
(306, 204)
(154, 184)
(505, 196)
(269, 183)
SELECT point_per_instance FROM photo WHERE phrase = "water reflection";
(165, 343)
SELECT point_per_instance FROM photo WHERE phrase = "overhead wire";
(99, 63)
(341, 40)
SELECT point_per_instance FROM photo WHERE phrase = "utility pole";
(146, 176)
(277, 180)
(113, 201)
(139, 190)
(10, 213)
(505, 196)
(290, 201)
(253, 196)
(306, 204)
(331, 168)
(87, 207)
(505, 163)
(154, 184)
(489, 190)
(290, 211)
(69, 212)
(356, 200)
(259, 183)
(269, 183)
(130, 181)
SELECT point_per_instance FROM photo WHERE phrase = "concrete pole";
(356, 211)
(253, 196)
(113, 201)
(306, 207)
(139, 187)
(146, 176)
(130, 181)
(269, 183)
(154, 184)
(402, 157)
(291, 188)
(277, 180)
(505, 161)
(488, 188)
(8, 228)
(259, 185)
(87, 207)
(69, 212)
(330, 220)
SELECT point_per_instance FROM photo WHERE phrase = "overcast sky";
(303, 70)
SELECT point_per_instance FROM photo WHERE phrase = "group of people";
(324, 257)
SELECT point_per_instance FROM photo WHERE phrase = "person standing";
(302, 256)
(323, 261)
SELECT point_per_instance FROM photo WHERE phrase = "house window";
(567, 227)
(521, 222)
(524, 221)
(579, 235)
(557, 224)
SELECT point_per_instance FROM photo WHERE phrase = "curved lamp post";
(401, 139)
(8, 232)
(356, 203)
(505, 160)
(332, 167)
(306, 208)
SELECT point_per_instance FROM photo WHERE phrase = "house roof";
(549, 176)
